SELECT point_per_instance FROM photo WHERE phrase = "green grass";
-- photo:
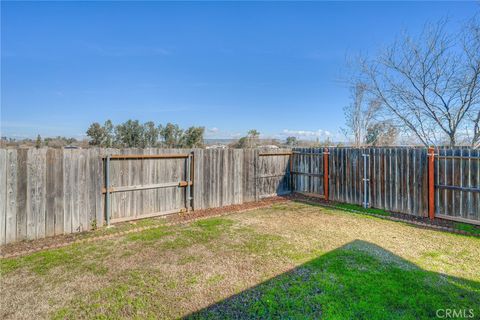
(347, 206)
(132, 296)
(199, 232)
(265, 264)
(349, 284)
(79, 258)
(467, 227)
(149, 235)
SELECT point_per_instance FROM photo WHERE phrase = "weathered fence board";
(3, 194)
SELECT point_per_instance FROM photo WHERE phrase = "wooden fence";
(46, 192)
(397, 179)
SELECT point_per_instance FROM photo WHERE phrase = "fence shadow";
(357, 281)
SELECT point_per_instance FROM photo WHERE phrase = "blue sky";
(276, 67)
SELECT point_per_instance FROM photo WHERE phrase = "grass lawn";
(291, 260)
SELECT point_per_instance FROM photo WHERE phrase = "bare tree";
(431, 83)
(360, 114)
(381, 133)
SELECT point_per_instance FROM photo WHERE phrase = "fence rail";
(46, 192)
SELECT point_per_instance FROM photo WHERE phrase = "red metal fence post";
(431, 182)
(325, 173)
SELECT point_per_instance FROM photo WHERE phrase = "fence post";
(431, 181)
(325, 172)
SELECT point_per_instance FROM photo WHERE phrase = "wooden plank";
(22, 156)
(198, 191)
(50, 194)
(91, 185)
(225, 181)
(99, 199)
(415, 195)
(475, 182)
(36, 193)
(238, 176)
(3, 195)
(450, 171)
(42, 193)
(31, 204)
(68, 181)
(76, 218)
(424, 183)
(11, 214)
(59, 212)
(83, 191)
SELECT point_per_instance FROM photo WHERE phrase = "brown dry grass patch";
(170, 272)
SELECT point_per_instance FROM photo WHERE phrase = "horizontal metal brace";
(308, 174)
(458, 157)
(310, 153)
(146, 187)
(272, 176)
(147, 156)
(465, 189)
(266, 154)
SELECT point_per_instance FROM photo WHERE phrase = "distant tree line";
(251, 140)
(133, 134)
(51, 142)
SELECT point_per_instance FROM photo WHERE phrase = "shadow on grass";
(357, 281)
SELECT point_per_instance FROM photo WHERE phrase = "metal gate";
(456, 184)
(141, 186)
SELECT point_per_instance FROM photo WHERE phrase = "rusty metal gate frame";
(187, 183)
(288, 173)
(325, 175)
(437, 157)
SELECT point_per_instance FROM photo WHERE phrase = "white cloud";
(216, 133)
(306, 134)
